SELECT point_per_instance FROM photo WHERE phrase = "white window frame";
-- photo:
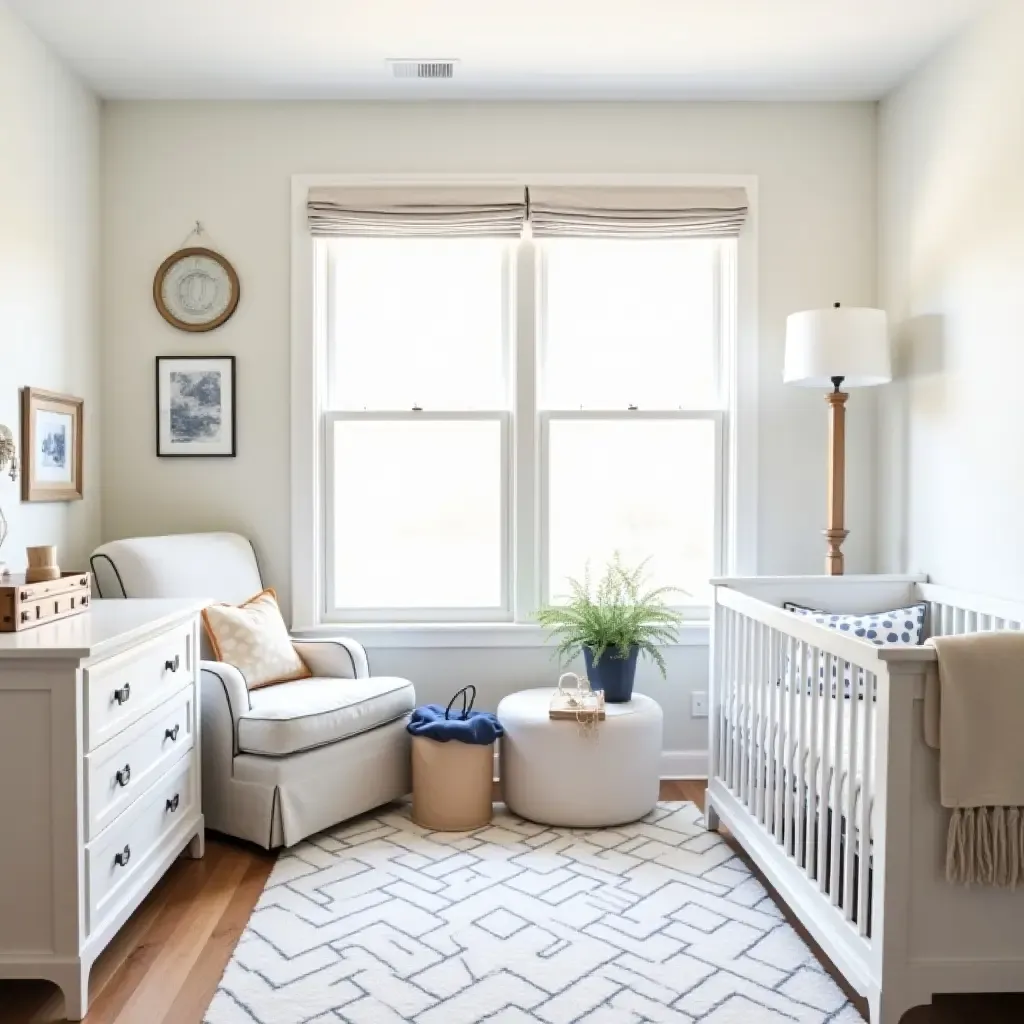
(736, 519)
(501, 613)
(690, 611)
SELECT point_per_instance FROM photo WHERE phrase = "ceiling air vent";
(401, 68)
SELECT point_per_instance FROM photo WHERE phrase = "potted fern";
(612, 625)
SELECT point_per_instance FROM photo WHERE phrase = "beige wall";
(951, 178)
(49, 278)
(230, 165)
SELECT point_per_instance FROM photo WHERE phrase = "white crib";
(800, 777)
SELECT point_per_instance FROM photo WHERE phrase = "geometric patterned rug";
(381, 922)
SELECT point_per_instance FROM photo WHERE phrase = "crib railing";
(793, 750)
(951, 612)
(829, 794)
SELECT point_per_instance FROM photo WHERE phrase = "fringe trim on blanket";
(985, 846)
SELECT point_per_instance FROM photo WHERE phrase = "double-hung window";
(501, 412)
(632, 409)
(419, 430)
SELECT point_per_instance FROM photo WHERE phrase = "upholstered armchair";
(279, 762)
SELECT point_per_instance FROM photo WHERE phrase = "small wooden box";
(23, 605)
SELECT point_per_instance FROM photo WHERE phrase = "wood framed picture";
(52, 444)
(195, 406)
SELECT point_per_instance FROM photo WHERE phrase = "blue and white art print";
(195, 406)
(54, 432)
(52, 425)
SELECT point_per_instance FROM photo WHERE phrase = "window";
(500, 411)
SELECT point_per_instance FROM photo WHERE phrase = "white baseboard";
(684, 764)
(675, 764)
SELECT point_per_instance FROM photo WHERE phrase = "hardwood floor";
(164, 966)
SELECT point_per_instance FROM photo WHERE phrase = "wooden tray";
(561, 711)
(568, 715)
(24, 605)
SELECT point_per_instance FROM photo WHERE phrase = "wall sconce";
(8, 454)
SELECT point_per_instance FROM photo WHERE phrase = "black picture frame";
(195, 417)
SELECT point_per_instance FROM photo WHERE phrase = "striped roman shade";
(609, 212)
(418, 211)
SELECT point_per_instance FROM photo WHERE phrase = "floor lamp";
(843, 346)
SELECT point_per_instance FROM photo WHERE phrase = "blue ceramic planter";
(612, 673)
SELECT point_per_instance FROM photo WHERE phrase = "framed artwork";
(195, 406)
(51, 444)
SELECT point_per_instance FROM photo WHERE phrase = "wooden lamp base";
(836, 532)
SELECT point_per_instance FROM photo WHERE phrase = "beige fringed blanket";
(974, 716)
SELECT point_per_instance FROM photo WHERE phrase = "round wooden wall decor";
(195, 289)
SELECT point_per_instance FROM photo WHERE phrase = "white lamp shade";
(846, 341)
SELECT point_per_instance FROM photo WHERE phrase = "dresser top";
(107, 626)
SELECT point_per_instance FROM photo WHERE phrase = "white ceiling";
(508, 49)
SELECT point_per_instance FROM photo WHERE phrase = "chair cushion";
(311, 712)
(254, 639)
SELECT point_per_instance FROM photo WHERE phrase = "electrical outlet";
(699, 705)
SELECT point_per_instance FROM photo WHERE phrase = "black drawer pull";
(122, 858)
(172, 805)
(172, 666)
(123, 775)
(123, 694)
(171, 734)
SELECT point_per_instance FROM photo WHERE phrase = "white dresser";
(99, 780)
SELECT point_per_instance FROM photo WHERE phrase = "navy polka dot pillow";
(901, 626)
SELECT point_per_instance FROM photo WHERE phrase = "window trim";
(307, 357)
(693, 612)
(503, 613)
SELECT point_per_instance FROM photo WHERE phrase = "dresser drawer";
(126, 766)
(120, 690)
(123, 851)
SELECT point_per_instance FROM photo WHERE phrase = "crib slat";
(800, 806)
(971, 622)
(769, 761)
(733, 658)
(728, 697)
(822, 762)
(810, 763)
(850, 802)
(959, 621)
(735, 641)
(779, 745)
(721, 684)
(737, 671)
(765, 731)
(762, 717)
(756, 683)
(945, 621)
(867, 795)
(789, 836)
(748, 692)
(836, 803)
(744, 703)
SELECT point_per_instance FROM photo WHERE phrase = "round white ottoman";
(553, 773)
